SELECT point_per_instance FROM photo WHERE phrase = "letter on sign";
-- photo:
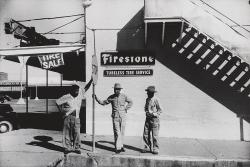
(51, 60)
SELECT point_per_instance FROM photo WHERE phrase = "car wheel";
(5, 126)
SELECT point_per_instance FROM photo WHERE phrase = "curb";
(102, 160)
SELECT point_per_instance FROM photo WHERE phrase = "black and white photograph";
(124, 83)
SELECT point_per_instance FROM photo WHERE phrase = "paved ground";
(32, 147)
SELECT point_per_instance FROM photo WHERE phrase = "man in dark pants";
(152, 122)
(70, 105)
(120, 104)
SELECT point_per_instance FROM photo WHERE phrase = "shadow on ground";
(44, 141)
(102, 144)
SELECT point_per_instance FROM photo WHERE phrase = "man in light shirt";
(153, 110)
(70, 105)
(120, 104)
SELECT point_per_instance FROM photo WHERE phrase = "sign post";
(94, 77)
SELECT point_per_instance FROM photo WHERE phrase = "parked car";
(8, 118)
(4, 98)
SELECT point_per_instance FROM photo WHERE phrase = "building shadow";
(97, 145)
(101, 144)
(125, 146)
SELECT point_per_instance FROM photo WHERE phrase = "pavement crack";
(210, 152)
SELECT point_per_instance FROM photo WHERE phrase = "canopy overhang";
(41, 50)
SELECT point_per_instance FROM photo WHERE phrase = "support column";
(241, 129)
(47, 83)
(27, 85)
(181, 31)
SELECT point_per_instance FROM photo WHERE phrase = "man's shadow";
(100, 145)
(44, 141)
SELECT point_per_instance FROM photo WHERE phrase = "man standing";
(152, 123)
(70, 105)
(120, 104)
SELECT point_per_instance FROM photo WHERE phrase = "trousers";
(151, 133)
(119, 123)
(71, 133)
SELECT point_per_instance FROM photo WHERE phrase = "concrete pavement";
(33, 147)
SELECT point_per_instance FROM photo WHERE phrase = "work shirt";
(120, 103)
(70, 104)
(153, 107)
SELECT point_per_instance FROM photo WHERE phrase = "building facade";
(137, 52)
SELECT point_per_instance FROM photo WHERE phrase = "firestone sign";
(51, 60)
(127, 58)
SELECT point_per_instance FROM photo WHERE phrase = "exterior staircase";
(202, 61)
(213, 58)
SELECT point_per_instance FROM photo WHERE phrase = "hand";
(94, 96)
(148, 114)
(155, 114)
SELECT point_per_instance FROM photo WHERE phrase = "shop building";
(140, 43)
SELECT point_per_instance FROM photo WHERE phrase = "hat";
(151, 89)
(117, 86)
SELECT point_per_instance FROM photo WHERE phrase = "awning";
(74, 58)
(40, 50)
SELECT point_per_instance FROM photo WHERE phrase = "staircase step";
(224, 56)
(216, 51)
(223, 72)
(240, 83)
(193, 45)
(232, 77)
(203, 49)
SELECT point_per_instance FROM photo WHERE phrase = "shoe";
(155, 152)
(118, 151)
(66, 151)
(77, 151)
(123, 149)
(145, 150)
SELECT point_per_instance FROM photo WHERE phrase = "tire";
(5, 126)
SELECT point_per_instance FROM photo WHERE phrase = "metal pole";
(61, 79)
(27, 84)
(93, 116)
(241, 129)
(84, 39)
(47, 110)
(21, 79)
(93, 121)
(181, 31)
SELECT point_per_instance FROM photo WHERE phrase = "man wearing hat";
(70, 105)
(152, 123)
(120, 104)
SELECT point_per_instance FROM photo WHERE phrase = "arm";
(130, 103)
(158, 108)
(88, 85)
(102, 102)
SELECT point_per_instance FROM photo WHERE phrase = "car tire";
(5, 126)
